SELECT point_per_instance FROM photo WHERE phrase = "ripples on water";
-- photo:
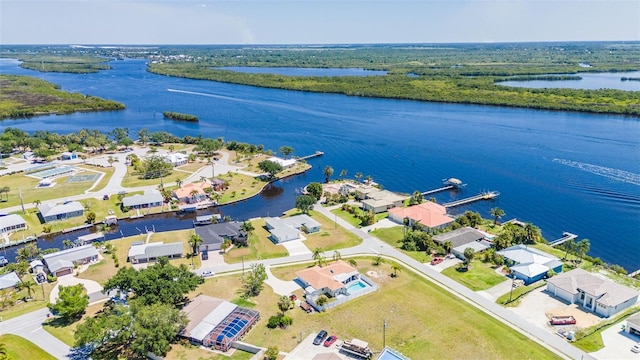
(613, 174)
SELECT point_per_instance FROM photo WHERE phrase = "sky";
(315, 22)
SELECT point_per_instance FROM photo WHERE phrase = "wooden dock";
(489, 195)
(315, 154)
(566, 236)
(429, 192)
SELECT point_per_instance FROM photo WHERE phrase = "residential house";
(141, 253)
(176, 159)
(463, 238)
(63, 262)
(150, 198)
(9, 280)
(285, 163)
(633, 325)
(36, 266)
(330, 280)
(52, 212)
(68, 156)
(287, 229)
(593, 293)
(11, 223)
(192, 192)
(382, 200)
(427, 214)
(214, 234)
(218, 184)
(529, 264)
(216, 323)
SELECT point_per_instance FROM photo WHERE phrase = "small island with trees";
(180, 116)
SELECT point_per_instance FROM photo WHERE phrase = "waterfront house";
(633, 325)
(192, 192)
(593, 293)
(176, 159)
(285, 163)
(216, 323)
(529, 264)
(63, 262)
(287, 229)
(381, 200)
(9, 280)
(214, 234)
(218, 184)
(52, 212)
(428, 214)
(150, 198)
(463, 238)
(141, 253)
(331, 280)
(11, 223)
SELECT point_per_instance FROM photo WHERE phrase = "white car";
(636, 348)
(207, 273)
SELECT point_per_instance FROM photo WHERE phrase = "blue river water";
(563, 171)
(590, 81)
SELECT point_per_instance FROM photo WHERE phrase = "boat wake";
(613, 174)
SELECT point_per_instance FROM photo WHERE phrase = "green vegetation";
(180, 116)
(518, 293)
(25, 96)
(259, 246)
(19, 348)
(75, 63)
(394, 236)
(590, 339)
(479, 276)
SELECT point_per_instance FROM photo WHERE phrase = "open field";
(19, 348)
(240, 187)
(31, 192)
(434, 325)
(259, 246)
(353, 220)
(480, 276)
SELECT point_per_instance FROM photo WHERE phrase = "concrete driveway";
(70, 280)
(306, 350)
(617, 344)
(280, 287)
(296, 247)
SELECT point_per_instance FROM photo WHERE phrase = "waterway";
(589, 81)
(562, 171)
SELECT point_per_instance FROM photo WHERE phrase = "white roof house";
(176, 159)
(204, 314)
(530, 264)
(147, 252)
(52, 211)
(281, 231)
(9, 280)
(150, 198)
(63, 262)
(12, 222)
(285, 163)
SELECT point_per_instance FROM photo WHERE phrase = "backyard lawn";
(393, 235)
(19, 348)
(434, 325)
(259, 245)
(480, 276)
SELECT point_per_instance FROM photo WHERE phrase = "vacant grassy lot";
(31, 192)
(240, 187)
(353, 219)
(131, 179)
(393, 235)
(330, 237)
(434, 325)
(480, 276)
(259, 246)
(19, 348)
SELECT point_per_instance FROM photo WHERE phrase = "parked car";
(436, 261)
(636, 348)
(205, 255)
(293, 297)
(105, 197)
(306, 307)
(330, 340)
(207, 273)
(320, 337)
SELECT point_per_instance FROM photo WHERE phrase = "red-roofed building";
(428, 214)
(192, 192)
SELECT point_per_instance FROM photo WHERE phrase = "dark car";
(205, 255)
(320, 337)
(106, 197)
(330, 340)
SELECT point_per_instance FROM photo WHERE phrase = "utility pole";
(513, 280)
(384, 334)
(213, 170)
(21, 201)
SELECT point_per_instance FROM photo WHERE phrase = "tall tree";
(317, 254)
(71, 304)
(343, 173)
(305, 203)
(247, 227)
(253, 281)
(195, 241)
(568, 246)
(583, 247)
(284, 303)
(532, 233)
(468, 256)
(270, 167)
(315, 189)
(328, 171)
(358, 176)
(496, 213)
(396, 268)
(286, 151)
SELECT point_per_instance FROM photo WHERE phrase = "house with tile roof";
(529, 264)
(428, 214)
(192, 192)
(332, 279)
(591, 292)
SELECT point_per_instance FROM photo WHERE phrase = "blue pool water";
(356, 286)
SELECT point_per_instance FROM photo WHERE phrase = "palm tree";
(328, 171)
(317, 255)
(352, 262)
(225, 245)
(368, 179)
(532, 232)
(66, 243)
(583, 247)
(336, 255)
(37, 203)
(3, 351)
(195, 241)
(179, 182)
(359, 176)
(377, 261)
(568, 245)
(194, 194)
(343, 173)
(29, 285)
(497, 213)
(395, 267)
(203, 179)
(448, 245)
(247, 227)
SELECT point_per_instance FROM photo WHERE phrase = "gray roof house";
(9, 280)
(150, 252)
(460, 237)
(633, 324)
(12, 222)
(52, 212)
(150, 198)
(214, 234)
(287, 229)
(62, 262)
(593, 293)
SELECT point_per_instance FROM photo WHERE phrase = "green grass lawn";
(38, 301)
(31, 192)
(240, 187)
(480, 276)
(131, 179)
(593, 341)
(393, 235)
(330, 237)
(64, 332)
(19, 348)
(434, 325)
(517, 293)
(108, 172)
(259, 246)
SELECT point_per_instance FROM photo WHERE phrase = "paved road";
(29, 326)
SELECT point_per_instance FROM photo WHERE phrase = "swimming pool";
(356, 286)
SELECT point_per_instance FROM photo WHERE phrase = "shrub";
(322, 300)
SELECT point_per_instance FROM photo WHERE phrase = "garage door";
(64, 272)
